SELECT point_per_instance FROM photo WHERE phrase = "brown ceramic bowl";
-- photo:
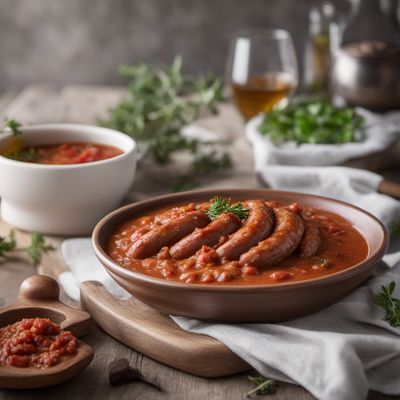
(249, 303)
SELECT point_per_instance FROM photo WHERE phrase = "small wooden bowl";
(38, 297)
(248, 303)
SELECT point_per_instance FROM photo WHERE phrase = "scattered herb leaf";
(7, 244)
(13, 125)
(264, 386)
(184, 183)
(38, 248)
(390, 304)
(315, 122)
(220, 205)
(121, 373)
(35, 251)
(395, 228)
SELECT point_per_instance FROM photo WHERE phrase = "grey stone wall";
(83, 41)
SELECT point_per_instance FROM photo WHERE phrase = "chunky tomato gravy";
(66, 153)
(35, 342)
(275, 243)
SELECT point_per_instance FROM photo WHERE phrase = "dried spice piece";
(121, 373)
(264, 386)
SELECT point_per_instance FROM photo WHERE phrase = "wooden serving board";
(147, 331)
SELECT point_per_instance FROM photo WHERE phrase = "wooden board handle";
(157, 336)
(389, 188)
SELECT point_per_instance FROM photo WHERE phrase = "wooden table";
(85, 104)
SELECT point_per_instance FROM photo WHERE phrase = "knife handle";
(389, 188)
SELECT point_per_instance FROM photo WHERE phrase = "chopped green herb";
(390, 304)
(13, 125)
(184, 183)
(7, 244)
(264, 386)
(220, 205)
(315, 122)
(26, 155)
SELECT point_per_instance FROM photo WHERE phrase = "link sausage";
(225, 224)
(167, 234)
(258, 226)
(289, 229)
(311, 241)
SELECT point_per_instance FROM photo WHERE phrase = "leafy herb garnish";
(220, 205)
(315, 122)
(264, 386)
(35, 251)
(13, 125)
(390, 304)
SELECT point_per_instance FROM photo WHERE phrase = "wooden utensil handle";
(389, 188)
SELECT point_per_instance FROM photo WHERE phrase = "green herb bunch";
(35, 251)
(13, 125)
(390, 304)
(314, 122)
(220, 205)
(159, 103)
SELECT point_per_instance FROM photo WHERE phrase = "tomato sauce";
(66, 153)
(35, 342)
(342, 246)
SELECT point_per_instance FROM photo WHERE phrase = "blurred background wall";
(84, 41)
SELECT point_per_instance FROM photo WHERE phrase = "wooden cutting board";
(146, 330)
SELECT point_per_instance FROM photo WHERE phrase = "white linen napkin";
(338, 353)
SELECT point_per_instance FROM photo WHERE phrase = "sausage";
(224, 225)
(167, 234)
(311, 241)
(258, 226)
(289, 229)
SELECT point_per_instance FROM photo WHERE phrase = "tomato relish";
(35, 342)
(65, 153)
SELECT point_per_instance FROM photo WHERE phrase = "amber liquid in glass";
(263, 93)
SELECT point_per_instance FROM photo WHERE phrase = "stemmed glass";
(261, 71)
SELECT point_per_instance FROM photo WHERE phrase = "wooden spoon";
(38, 297)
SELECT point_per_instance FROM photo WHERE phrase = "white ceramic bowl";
(65, 199)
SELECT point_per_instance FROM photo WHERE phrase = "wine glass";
(262, 71)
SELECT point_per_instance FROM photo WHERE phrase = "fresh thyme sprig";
(220, 205)
(35, 251)
(264, 386)
(390, 304)
(13, 125)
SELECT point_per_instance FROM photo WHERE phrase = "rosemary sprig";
(220, 205)
(390, 304)
(13, 125)
(264, 386)
(35, 251)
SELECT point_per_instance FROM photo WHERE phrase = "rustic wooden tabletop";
(84, 104)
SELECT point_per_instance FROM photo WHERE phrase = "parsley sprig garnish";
(220, 205)
(390, 304)
(314, 122)
(35, 251)
(395, 228)
(264, 386)
(13, 125)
